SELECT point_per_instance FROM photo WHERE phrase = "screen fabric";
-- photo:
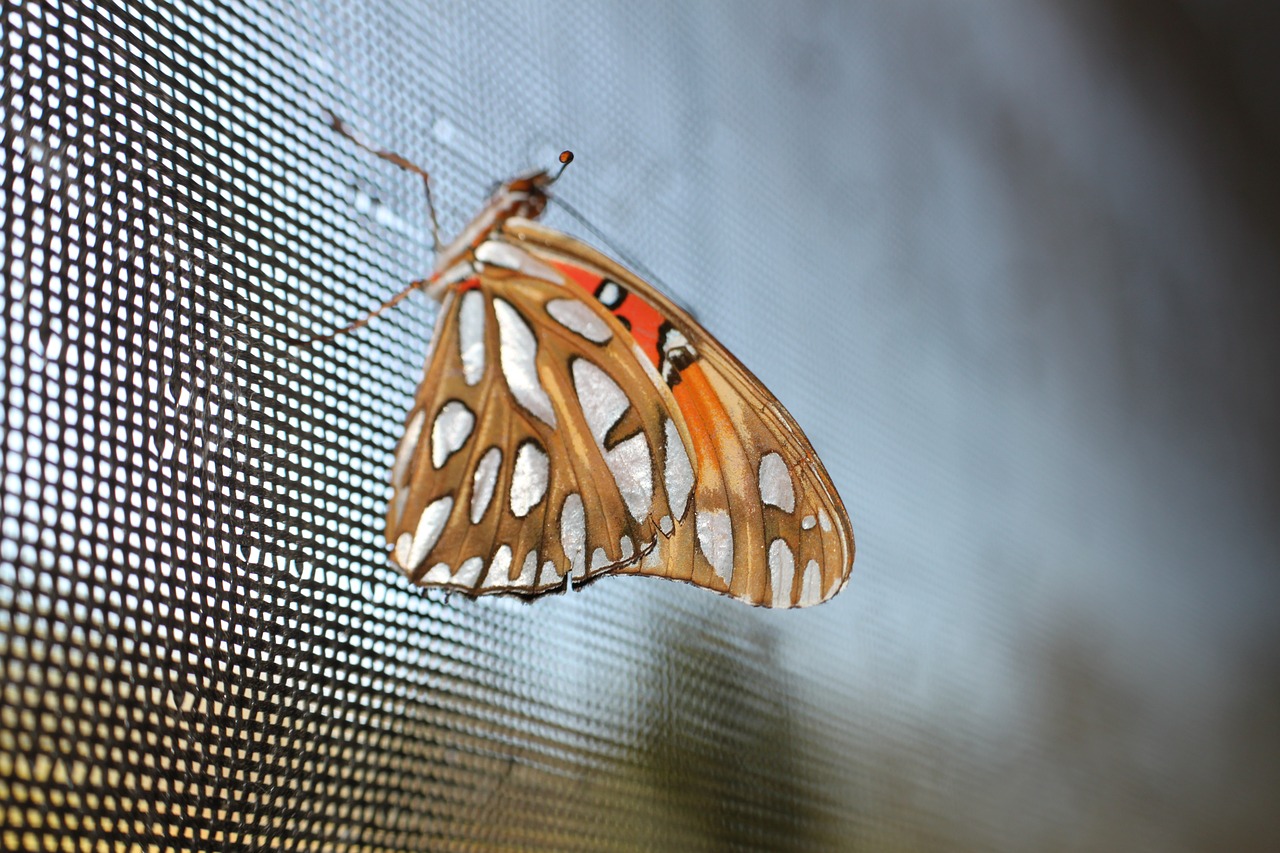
(990, 260)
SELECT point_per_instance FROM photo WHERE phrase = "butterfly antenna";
(361, 141)
(566, 157)
(631, 262)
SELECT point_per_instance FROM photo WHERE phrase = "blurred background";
(1013, 266)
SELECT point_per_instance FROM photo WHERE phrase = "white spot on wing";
(499, 568)
(486, 478)
(811, 586)
(678, 475)
(824, 520)
(499, 253)
(454, 274)
(450, 431)
(653, 559)
(650, 371)
(665, 524)
(518, 352)
(837, 584)
(610, 294)
(599, 559)
(573, 534)
(808, 522)
(576, 316)
(715, 538)
(430, 523)
(471, 336)
(528, 571)
(603, 403)
(397, 506)
(403, 545)
(439, 573)
(775, 483)
(782, 572)
(529, 479)
(469, 572)
(626, 547)
(601, 399)
(408, 444)
(632, 469)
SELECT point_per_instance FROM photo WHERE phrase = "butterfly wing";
(766, 524)
(545, 441)
(536, 443)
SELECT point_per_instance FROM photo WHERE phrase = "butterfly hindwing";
(539, 443)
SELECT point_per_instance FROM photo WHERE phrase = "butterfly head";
(524, 196)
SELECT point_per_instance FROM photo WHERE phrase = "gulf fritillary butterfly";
(573, 422)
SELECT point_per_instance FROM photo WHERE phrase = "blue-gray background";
(1012, 266)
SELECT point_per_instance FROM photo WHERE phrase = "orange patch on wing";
(642, 317)
(703, 413)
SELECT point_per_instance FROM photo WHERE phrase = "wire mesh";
(203, 644)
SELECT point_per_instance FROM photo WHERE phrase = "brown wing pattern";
(536, 444)
(766, 524)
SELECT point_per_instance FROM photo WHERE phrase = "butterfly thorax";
(524, 197)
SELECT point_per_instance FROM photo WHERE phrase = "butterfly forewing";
(765, 523)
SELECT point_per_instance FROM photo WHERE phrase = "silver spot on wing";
(715, 538)
(471, 320)
(603, 402)
(573, 534)
(528, 570)
(468, 573)
(430, 524)
(408, 444)
(678, 474)
(450, 431)
(529, 479)
(577, 316)
(518, 350)
(499, 568)
(811, 585)
(782, 572)
(632, 470)
(439, 573)
(775, 483)
(486, 478)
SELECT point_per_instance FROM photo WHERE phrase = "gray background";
(1012, 266)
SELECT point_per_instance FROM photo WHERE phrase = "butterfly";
(573, 422)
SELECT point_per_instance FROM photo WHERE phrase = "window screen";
(994, 261)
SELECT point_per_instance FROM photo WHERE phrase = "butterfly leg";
(363, 321)
(391, 157)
